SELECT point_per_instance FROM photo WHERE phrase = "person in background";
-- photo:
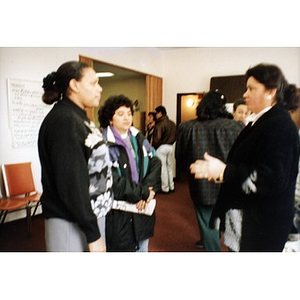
(164, 137)
(295, 115)
(136, 176)
(240, 111)
(260, 173)
(150, 126)
(213, 131)
(76, 170)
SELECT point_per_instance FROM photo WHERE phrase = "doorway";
(145, 88)
(186, 110)
(186, 106)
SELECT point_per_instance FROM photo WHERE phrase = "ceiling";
(120, 73)
(123, 73)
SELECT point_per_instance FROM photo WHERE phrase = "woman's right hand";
(151, 195)
(97, 246)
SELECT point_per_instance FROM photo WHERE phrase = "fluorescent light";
(105, 74)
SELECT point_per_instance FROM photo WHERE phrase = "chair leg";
(28, 213)
(3, 216)
(35, 209)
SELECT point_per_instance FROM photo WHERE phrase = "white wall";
(189, 70)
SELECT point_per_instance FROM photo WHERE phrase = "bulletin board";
(26, 111)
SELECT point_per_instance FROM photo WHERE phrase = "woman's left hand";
(210, 168)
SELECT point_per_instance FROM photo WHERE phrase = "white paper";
(125, 206)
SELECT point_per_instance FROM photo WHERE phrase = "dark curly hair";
(272, 77)
(107, 110)
(212, 106)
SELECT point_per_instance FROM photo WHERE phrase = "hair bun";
(49, 81)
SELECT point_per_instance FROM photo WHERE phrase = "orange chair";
(19, 185)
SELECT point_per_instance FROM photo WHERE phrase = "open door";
(186, 106)
(186, 110)
(153, 90)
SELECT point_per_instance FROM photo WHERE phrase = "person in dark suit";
(215, 131)
(261, 169)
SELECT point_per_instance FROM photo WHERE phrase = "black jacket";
(125, 229)
(64, 160)
(260, 179)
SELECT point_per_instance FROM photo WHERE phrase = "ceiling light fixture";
(105, 74)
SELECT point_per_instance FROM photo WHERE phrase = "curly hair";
(212, 106)
(107, 110)
(272, 77)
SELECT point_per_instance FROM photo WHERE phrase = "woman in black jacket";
(261, 169)
(76, 170)
(136, 177)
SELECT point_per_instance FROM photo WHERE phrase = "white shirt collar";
(254, 117)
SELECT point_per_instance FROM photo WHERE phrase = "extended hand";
(210, 168)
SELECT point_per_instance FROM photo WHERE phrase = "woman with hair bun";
(76, 170)
(260, 172)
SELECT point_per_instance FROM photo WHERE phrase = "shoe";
(199, 244)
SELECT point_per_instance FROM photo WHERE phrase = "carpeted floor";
(176, 227)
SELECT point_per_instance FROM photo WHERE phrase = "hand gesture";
(210, 168)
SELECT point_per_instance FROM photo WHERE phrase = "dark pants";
(209, 237)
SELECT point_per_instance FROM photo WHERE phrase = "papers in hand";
(125, 206)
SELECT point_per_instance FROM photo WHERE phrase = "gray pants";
(165, 154)
(64, 236)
